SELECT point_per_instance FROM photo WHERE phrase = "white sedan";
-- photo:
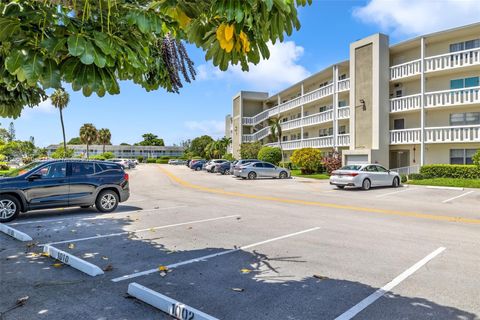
(364, 176)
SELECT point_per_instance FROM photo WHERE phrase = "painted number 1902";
(179, 311)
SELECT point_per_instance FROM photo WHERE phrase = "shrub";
(403, 178)
(162, 161)
(250, 150)
(288, 164)
(4, 166)
(59, 154)
(140, 158)
(450, 171)
(27, 160)
(108, 155)
(415, 176)
(151, 160)
(197, 158)
(332, 162)
(270, 154)
(476, 158)
(228, 156)
(166, 157)
(98, 157)
(309, 160)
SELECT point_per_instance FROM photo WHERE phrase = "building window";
(325, 108)
(462, 156)
(471, 44)
(293, 137)
(342, 129)
(342, 103)
(342, 77)
(398, 124)
(398, 93)
(305, 135)
(465, 118)
(464, 83)
(284, 138)
(284, 119)
(305, 113)
(299, 136)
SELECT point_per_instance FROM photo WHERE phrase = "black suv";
(63, 183)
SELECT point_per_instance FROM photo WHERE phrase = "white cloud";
(44, 107)
(415, 17)
(212, 128)
(280, 70)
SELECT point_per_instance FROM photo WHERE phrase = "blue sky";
(327, 29)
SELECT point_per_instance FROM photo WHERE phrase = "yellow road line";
(320, 204)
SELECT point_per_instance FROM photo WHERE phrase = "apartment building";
(122, 151)
(416, 102)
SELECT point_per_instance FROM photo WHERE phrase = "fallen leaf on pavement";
(57, 265)
(163, 268)
(71, 246)
(108, 268)
(31, 244)
(152, 230)
(238, 289)
(320, 277)
(245, 270)
(21, 301)
(45, 254)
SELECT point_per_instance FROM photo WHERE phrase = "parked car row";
(177, 162)
(125, 163)
(245, 168)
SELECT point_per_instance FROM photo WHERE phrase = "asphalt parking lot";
(263, 249)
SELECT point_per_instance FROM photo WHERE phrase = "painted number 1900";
(179, 311)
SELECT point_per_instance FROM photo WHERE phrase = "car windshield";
(351, 167)
(22, 170)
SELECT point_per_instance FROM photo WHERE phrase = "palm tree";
(225, 142)
(60, 99)
(276, 132)
(104, 137)
(88, 135)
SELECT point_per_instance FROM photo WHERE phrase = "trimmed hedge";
(456, 171)
(403, 178)
(151, 160)
(415, 176)
(162, 161)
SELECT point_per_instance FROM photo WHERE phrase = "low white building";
(123, 151)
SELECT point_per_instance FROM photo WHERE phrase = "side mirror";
(34, 176)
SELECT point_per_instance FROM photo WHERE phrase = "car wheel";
(107, 201)
(340, 187)
(366, 184)
(252, 175)
(226, 172)
(396, 182)
(198, 169)
(283, 175)
(9, 208)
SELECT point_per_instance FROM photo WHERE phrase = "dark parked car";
(63, 183)
(198, 165)
(223, 168)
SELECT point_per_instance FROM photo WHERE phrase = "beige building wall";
(440, 153)
(412, 119)
(442, 82)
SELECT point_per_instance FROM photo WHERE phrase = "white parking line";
(204, 258)
(73, 261)
(140, 230)
(352, 312)
(108, 215)
(168, 305)
(395, 192)
(462, 195)
(14, 233)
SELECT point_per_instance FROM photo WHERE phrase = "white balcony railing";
(406, 69)
(452, 97)
(343, 85)
(308, 97)
(436, 135)
(453, 60)
(318, 118)
(343, 140)
(318, 94)
(260, 134)
(406, 103)
(452, 134)
(317, 142)
(292, 124)
(405, 136)
(343, 113)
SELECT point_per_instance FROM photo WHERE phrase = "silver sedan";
(364, 176)
(254, 170)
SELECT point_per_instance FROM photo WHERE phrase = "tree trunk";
(281, 151)
(87, 151)
(104, 148)
(63, 132)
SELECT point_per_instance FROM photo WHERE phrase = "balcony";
(264, 132)
(343, 85)
(406, 103)
(317, 142)
(452, 60)
(452, 97)
(406, 69)
(343, 113)
(318, 94)
(450, 134)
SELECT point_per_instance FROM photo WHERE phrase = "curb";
(71, 260)
(14, 233)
